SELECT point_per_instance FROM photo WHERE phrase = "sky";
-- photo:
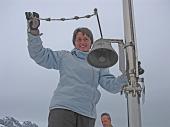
(26, 88)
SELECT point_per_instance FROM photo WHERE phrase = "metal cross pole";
(133, 89)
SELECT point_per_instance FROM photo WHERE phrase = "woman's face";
(82, 42)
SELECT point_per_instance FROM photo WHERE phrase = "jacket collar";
(79, 54)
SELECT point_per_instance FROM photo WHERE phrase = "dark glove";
(140, 69)
(33, 22)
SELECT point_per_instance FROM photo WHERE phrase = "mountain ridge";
(12, 122)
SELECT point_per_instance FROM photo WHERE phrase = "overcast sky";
(26, 88)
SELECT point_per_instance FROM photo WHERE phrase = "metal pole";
(133, 89)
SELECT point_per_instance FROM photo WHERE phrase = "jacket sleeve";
(43, 56)
(111, 83)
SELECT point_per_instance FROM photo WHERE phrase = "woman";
(74, 101)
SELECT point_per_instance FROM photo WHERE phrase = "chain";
(64, 19)
(76, 18)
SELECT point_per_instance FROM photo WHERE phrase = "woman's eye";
(86, 39)
(79, 40)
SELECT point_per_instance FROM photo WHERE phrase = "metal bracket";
(134, 90)
(138, 89)
(129, 44)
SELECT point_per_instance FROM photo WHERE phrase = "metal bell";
(102, 55)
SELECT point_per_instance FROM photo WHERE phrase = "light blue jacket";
(77, 87)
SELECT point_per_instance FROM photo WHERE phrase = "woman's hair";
(106, 114)
(85, 31)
